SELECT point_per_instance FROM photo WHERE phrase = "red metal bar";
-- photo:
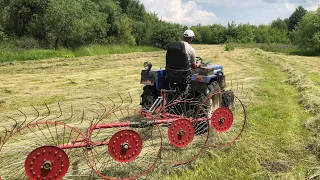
(111, 125)
(70, 146)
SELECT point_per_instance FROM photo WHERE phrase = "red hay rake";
(121, 143)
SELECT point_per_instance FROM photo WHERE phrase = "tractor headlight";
(147, 66)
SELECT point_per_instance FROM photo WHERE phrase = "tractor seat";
(178, 68)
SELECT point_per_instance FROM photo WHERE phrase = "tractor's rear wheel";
(148, 96)
(215, 101)
(208, 106)
(227, 100)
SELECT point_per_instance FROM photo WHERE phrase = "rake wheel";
(41, 150)
(226, 123)
(124, 145)
(181, 133)
(187, 134)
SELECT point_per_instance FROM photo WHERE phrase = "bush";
(229, 47)
(307, 35)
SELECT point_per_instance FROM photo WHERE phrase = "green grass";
(278, 47)
(274, 143)
(8, 53)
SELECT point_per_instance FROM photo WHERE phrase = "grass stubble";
(275, 144)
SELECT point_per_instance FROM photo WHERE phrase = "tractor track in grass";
(275, 141)
(275, 144)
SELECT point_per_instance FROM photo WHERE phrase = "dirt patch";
(276, 167)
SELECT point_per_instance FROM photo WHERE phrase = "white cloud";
(176, 11)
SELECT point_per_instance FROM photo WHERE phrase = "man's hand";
(198, 64)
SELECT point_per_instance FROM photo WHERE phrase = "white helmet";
(188, 33)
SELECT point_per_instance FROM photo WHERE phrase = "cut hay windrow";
(309, 98)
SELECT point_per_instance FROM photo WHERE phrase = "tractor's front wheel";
(148, 97)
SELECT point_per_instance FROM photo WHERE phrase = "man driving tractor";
(188, 37)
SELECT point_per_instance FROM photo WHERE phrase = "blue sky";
(224, 11)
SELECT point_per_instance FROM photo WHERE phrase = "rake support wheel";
(187, 134)
(41, 151)
(181, 133)
(227, 123)
(121, 149)
(47, 162)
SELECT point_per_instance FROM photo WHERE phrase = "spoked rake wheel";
(42, 150)
(124, 146)
(227, 123)
(185, 133)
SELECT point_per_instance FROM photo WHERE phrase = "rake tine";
(15, 125)
(51, 133)
(71, 115)
(38, 114)
(121, 104)
(130, 103)
(48, 114)
(58, 115)
(3, 139)
(104, 111)
(82, 117)
(25, 117)
(246, 95)
(114, 104)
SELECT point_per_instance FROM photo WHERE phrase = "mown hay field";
(281, 94)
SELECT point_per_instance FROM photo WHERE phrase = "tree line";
(75, 23)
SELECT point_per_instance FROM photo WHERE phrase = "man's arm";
(193, 62)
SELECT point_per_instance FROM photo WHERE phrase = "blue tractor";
(185, 82)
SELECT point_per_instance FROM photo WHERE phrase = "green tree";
(262, 34)
(196, 30)
(279, 24)
(74, 23)
(296, 17)
(245, 33)
(18, 14)
(218, 34)
(165, 33)
(307, 34)
(231, 32)
(206, 34)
